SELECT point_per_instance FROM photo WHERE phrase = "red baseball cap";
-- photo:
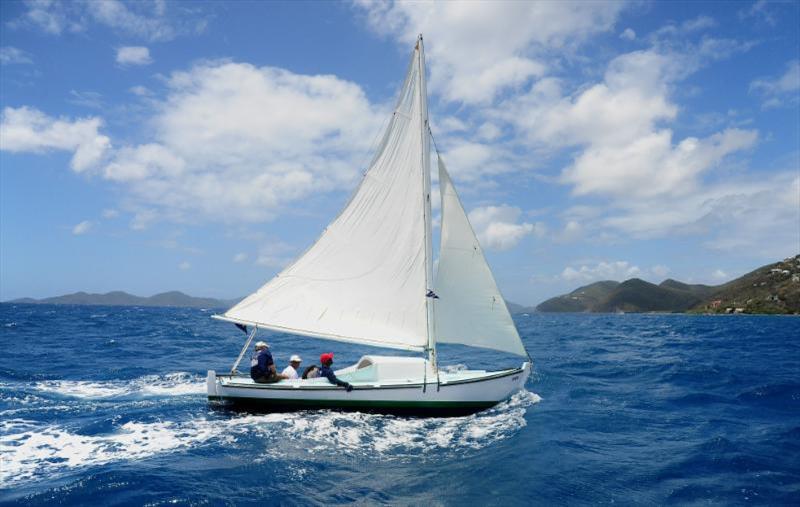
(324, 358)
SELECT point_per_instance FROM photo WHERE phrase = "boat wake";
(171, 384)
(32, 450)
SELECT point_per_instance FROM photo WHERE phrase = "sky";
(201, 146)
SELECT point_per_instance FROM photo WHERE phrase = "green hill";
(636, 295)
(774, 288)
(582, 299)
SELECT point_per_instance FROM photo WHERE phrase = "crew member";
(290, 371)
(327, 372)
(262, 366)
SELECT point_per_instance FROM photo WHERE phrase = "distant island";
(770, 289)
(119, 298)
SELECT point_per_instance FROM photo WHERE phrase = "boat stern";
(211, 385)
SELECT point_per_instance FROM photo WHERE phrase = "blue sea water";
(104, 405)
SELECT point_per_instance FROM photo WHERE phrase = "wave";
(171, 384)
(32, 451)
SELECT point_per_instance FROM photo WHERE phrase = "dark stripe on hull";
(407, 408)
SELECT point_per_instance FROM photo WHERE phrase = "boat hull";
(451, 397)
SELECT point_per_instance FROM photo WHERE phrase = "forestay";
(364, 280)
(470, 309)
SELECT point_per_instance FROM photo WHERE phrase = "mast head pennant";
(431, 294)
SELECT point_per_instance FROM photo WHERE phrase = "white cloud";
(719, 275)
(52, 16)
(185, 265)
(82, 228)
(488, 131)
(236, 142)
(479, 49)
(276, 254)
(140, 90)
(143, 161)
(782, 90)
(89, 99)
(146, 20)
(660, 270)
(616, 270)
(624, 153)
(761, 11)
(143, 218)
(573, 231)
(110, 213)
(133, 55)
(497, 227)
(10, 55)
(29, 130)
(651, 165)
(628, 34)
(240, 257)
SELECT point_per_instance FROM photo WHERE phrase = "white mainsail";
(470, 309)
(365, 279)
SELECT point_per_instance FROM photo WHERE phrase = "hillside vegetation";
(774, 288)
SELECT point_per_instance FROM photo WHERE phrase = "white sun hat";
(262, 345)
(295, 358)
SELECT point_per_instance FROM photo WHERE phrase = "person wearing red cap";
(326, 371)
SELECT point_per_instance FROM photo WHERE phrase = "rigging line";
(244, 349)
(435, 147)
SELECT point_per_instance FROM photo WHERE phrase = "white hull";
(455, 393)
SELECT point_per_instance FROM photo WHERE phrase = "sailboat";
(369, 280)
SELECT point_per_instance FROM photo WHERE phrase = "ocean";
(107, 406)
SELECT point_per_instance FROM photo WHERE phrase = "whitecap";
(171, 384)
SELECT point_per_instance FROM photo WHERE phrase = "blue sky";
(153, 146)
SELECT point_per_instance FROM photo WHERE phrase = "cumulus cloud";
(82, 228)
(133, 55)
(587, 272)
(497, 227)
(236, 142)
(615, 270)
(483, 48)
(616, 122)
(10, 55)
(759, 215)
(29, 130)
(779, 91)
(240, 257)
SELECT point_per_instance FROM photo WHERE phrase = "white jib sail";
(364, 280)
(470, 309)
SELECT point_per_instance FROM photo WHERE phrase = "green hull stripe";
(389, 404)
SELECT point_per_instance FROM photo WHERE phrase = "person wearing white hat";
(262, 366)
(290, 371)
